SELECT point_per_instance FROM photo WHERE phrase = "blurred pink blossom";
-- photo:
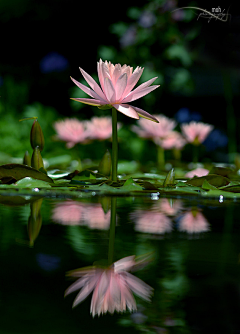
(68, 213)
(196, 132)
(99, 128)
(172, 140)
(197, 172)
(155, 130)
(71, 131)
(116, 91)
(169, 207)
(152, 222)
(193, 222)
(112, 287)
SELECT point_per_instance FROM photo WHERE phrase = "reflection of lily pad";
(17, 200)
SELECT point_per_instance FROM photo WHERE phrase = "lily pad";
(18, 172)
(213, 179)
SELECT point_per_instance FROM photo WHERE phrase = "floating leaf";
(18, 172)
(207, 186)
(224, 171)
(213, 179)
(29, 182)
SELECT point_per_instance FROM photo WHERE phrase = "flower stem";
(161, 158)
(112, 229)
(195, 153)
(114, 145)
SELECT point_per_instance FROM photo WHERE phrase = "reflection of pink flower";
(99, 128)
(111, 287)
(196, 132)
(68, 213)
(155, 130)
(116, 91)
(152, 222)
(71, 131)
(197, 172)
(169, 207)
(95, 217)
(173, 140)
(75, 213)
(193, 222)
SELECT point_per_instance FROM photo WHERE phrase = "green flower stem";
(177, 154)
(112, 229)
(114, 145)
(195, 153)
(160, 157)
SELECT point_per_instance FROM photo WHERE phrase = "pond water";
(191, 249)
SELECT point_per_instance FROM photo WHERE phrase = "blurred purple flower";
(184, 115)
(216, 139)
(129, 37)
(48, 262)
(147, 19)
(53, 62)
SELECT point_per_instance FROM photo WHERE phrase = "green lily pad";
(213, 179)
(29, 182)
(18, 172)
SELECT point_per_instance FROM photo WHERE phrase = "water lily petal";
(91, 102)
(127, 110)
(86, 89)
(116, 73)
(133, 79)
(145, 84)
(86, 290)
(145, 114)
(121, 85)
(92, 83)
(109, 90)
(136, 95)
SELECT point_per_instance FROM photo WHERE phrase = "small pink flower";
(152, 222)
(95, 218)
(155, 130)
(197, 172)
(71, 131)
(116, 91)
(99, 128)
(111, 287)
(196, 132)
(193, 222)
(172, 140)
(68, 213)
(168, 207)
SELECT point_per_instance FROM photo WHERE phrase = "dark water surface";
(193, 251)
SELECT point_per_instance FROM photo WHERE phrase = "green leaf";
(207, 186)
(18, 172)
(213, 179)
(29, 182)
(170, 178)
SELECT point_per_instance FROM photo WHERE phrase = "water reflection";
(111, 286)
(195, 279)
(78, 213)
(162, 215)
(193, 221)
(110, 281)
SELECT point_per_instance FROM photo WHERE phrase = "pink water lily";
(116, 91)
